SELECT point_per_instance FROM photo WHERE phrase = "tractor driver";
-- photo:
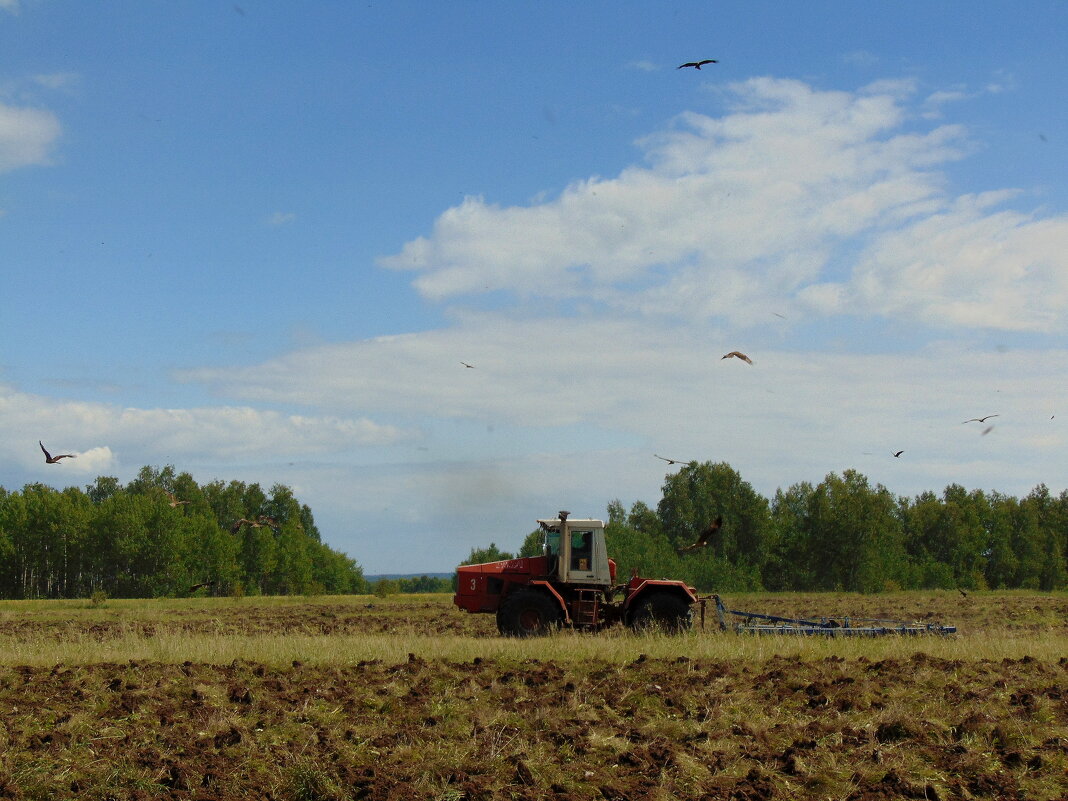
(581, 550)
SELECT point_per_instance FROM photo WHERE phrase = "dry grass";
(280, 630)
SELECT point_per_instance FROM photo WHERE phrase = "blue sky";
(256, 240)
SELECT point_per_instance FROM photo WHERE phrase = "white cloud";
(970, 266)
(766, 205)
(95, 461)
(148, 436)
(281, 218)
(644, 66)
(10, 5)
(57, 80)
(566, 412)
(26, 136)
(655, 382)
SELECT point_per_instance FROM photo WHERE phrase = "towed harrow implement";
(841, 626)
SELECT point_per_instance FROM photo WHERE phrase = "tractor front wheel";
(527, 613)
(662, 611)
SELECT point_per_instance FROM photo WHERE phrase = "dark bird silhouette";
(962, 592)
(50, 459)
(244, 522)
(987, 430)
(897, 454)
(201, 585)
(736, 354)
(670, 461)
(980, 419)
(697, 64)
(705, 536)
(470, 366)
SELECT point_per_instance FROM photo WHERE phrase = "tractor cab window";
(581, 550)
(552, 543)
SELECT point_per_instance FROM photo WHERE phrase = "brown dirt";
(679, 728)
(767, 728)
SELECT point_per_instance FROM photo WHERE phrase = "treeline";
(842, 534)
(411, 585)
(163, 534)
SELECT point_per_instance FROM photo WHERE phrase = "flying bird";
(897, 454)
(987, 430)
(470, 366)
(50, 459)
(174, 503)
(244, 522)
(697, 64)
(737, 354)
(980, 419)
(705, 536)
(670, 461)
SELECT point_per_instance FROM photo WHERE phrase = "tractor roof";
(554, 523)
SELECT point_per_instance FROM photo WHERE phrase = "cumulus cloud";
(969, 266)
(26, 136)
(95, 461)
(768, 204)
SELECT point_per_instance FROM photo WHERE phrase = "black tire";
(527, 613)
(662, 611)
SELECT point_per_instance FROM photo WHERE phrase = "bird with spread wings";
(173, 501)
(697, 64)
(50, 459)
(736, 354)
(670, 461)
(705, 537)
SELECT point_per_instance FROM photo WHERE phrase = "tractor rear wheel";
(662, 611)
(527, 613)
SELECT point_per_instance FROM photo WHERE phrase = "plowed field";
(428, 703)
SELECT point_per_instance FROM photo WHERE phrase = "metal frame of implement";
(845, 626)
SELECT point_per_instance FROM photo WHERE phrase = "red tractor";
(572, 584)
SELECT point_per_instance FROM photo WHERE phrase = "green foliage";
(386, 587)
(123, 542)
(425, 584)
(842, 534)
(534, 544)
(479, 556)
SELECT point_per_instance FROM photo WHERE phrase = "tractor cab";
(576, 551)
